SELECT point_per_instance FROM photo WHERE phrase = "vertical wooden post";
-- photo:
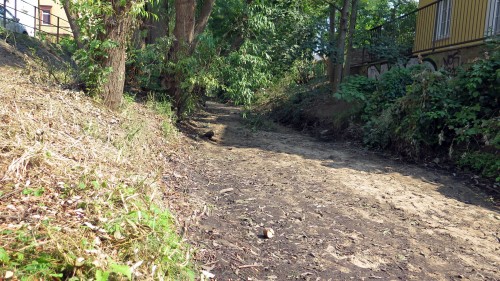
(58, 18)
(34, 23)
(5, 13)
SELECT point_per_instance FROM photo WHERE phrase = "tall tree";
(332, 11)
(119, 26)
(340, 46)
(352, 33)
(102, 31)
(187, 28)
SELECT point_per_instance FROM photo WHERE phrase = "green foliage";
(4, 256)
(89, 61)
(96, 44)
(30, 263)
(421, 113)
(355, 88)
(147, 65)
(150, 231)
(487, 164)
(163, 106)
(121, 269)
(34, 191)
(261, 43)
(242, 74)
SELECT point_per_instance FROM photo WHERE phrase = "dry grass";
(82, 189)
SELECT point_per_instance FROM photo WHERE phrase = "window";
(496, 26)
(443, 20)
(45, 15)
(493, 18)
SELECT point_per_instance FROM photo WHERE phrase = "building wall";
(57, 13)
(468, 22)
(449, 59)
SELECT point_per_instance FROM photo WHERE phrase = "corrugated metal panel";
(467, 24)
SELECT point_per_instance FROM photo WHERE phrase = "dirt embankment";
(85, 192)
(339, 212)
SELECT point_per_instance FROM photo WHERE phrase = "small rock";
(268, 233)
(9, 274)
(209, 135)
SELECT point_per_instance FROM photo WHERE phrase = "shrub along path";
(338, 212)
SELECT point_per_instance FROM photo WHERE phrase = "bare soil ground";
(339, 212)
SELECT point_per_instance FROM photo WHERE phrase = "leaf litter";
(81, 189)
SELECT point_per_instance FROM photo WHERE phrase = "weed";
(34, 191)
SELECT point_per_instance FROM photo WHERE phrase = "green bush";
(146, 66)
(422, 113)
(487, 164)
(356, 89)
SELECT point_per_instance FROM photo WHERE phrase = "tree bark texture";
(202, 21)
(119, 27)
(331, 34)
(352, 31)
(337, 73)
(184, 23)
(187, 28)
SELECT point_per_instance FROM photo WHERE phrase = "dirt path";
(339, 213)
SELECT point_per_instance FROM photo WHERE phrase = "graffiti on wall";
(449, 61)
(452, 60)
(375, 72)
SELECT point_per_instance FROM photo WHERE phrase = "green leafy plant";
(422, 113)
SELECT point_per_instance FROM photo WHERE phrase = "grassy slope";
(82, 193)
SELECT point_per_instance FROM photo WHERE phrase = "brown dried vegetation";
(82, 189)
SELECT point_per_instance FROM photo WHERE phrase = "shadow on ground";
(458, 187)
(26, 47)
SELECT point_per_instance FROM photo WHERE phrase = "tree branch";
(202, 21)
(72, 18)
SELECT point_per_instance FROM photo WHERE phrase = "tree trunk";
(337, 74)
(119, 27)
(202, 21)
(72, 17)
(184, 36)
(184, 23)
(352, 31)
(331, 34)
(187, 28)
